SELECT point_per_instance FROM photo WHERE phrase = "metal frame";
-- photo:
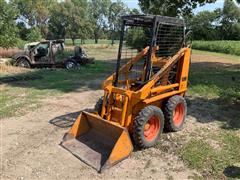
(152, 22)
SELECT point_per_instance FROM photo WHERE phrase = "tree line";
(31, 20)
(220, 24)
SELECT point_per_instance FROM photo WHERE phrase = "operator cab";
(148, 42)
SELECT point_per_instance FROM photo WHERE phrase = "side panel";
(183, 81)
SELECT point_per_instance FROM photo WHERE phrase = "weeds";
(215, 81)
(208, 160)
(228, 47)
(17, 96)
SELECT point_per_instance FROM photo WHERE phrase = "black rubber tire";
(24, 63)
(169, 111)
(139, 123)
(69, 65)
(98, 105)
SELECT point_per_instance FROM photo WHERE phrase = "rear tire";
(69, 65)
(148, 126)
(23, 63)
(98, 105)
(175, 113)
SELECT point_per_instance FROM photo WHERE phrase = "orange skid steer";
(143, 96)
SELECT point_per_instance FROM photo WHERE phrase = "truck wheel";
(23, 63)
(98, 105)
(71, 65)
(148, 126)
(175, 113)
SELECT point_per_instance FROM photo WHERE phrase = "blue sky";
(218, 4)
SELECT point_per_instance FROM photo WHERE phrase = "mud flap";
(97, 142)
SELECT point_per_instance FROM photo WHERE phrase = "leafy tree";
(171, 7)
(34, 13)
(205, 25)
(98, 12)
(8, 28)
(34, 34)
(22, 30)
(162, 7)
(85, 28)
(136, 38)
(134, 11)
(77, 24)
(58, 21)
(116, 10)
(230, 28)
(69, 18)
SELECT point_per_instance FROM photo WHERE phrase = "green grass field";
(214, 93)
(22, 94)
(211, 81)
(227, 47)
(231, 57)
(211, 160)
(89, 41)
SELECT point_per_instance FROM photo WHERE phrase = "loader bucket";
(97, 142)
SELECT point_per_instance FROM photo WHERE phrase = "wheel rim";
(23, 64)
(70, 65)
(151, 128)
(178, 114)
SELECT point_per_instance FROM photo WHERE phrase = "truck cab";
(39, 54)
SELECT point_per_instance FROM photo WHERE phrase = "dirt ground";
(30, 145)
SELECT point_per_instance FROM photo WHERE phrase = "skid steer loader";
(143, 96)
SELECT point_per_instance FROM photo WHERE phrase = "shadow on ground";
(88, 77)
(209, 110)
(232, 172)
(67, 120)
(222, 81)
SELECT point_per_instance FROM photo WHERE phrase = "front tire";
(23, 63)
(175, 113)
(148, 126)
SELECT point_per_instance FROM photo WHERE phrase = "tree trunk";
(73, 41)
(96, 37)
(112, 37)
(96, 40)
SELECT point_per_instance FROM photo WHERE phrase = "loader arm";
(148, 89)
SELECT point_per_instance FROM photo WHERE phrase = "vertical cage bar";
(119, 54)
(149, 56)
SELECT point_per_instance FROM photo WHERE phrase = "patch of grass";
(209, 161)
(63, 55)
(196, 177)
(9, 69)
(215, 81)
(217, 54)
(20, 95)
(15, 100)
(90, 41)
(197, 153)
